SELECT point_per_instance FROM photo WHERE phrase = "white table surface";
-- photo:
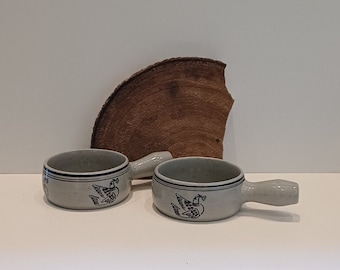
(133, 235)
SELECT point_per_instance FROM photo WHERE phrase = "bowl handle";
(144, 167)
(276, 192)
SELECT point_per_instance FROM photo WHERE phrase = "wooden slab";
(179, 104)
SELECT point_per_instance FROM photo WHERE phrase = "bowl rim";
(48, 169)
(214, 184)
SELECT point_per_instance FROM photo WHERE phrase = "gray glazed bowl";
(207, 189)
(94, 178)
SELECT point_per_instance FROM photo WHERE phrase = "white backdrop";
(61, 59)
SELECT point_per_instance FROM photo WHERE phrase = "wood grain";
(179, 104)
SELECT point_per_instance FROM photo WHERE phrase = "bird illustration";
(189, 209)
(107, 194)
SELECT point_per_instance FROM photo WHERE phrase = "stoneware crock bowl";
(94, 178)
(207, 189)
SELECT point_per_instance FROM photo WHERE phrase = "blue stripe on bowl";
(74, 177)
(198, 186)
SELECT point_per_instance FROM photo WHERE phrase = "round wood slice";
(180, 105)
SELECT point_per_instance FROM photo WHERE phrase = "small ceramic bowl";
(206, 189)
(94, 178)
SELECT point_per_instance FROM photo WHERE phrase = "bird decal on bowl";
(106, 194)
(189, 209)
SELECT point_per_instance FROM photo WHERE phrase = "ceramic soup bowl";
(207, 189)
(94, 178)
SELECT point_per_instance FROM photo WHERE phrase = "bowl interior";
(85, 161)
(199, 170)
